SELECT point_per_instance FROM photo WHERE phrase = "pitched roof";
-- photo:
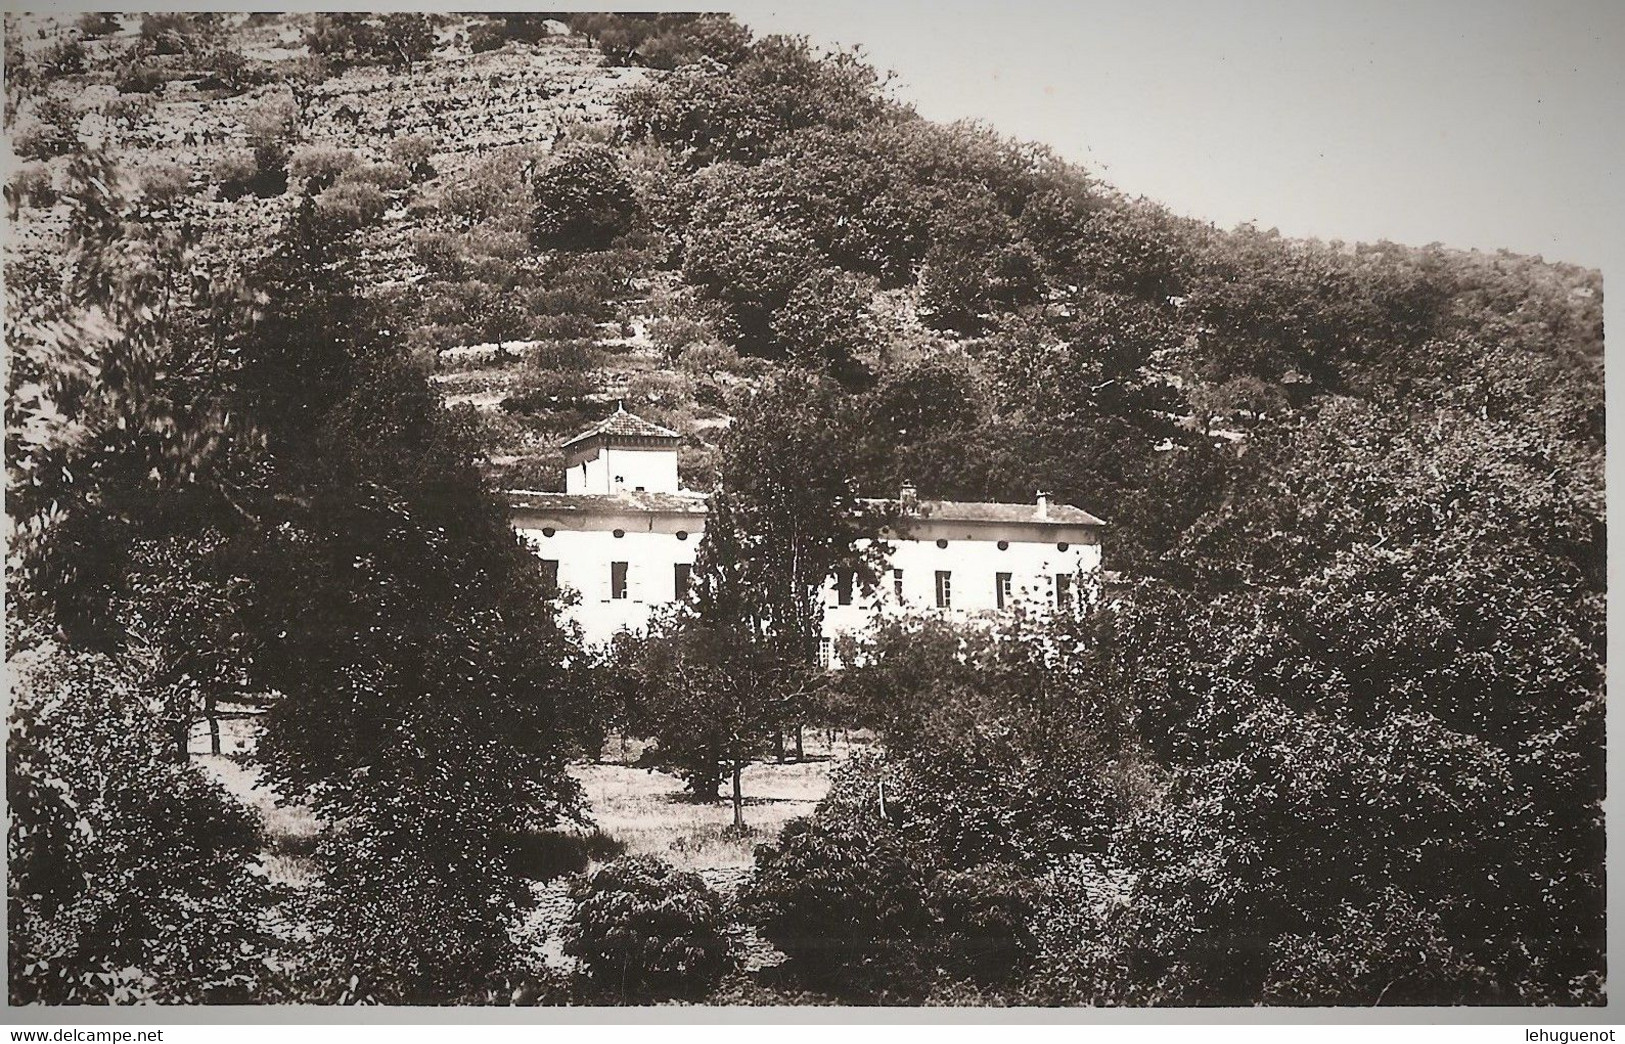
(623, 423)
(978, 511)
(579, 504)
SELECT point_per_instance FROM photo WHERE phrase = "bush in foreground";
(644, 927)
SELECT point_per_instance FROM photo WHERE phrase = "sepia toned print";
(620, 509)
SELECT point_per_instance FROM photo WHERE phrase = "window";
(680, 574)
(945, 589)
(1063, 590)
(1001, 589)
(617, 580)
(824, 649)
(550, 576)
(897, 584)
(843, 588)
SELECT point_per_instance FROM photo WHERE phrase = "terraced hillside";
(559, 215)
(446, 142)
(465, 106)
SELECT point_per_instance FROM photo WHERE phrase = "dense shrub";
(579, 355)
(95, 24)
(272, 129)
(583, 201)
(319, 165)
(64, 58)
(31, 186)
(352, 205)
(641, 926)
(230, 70)
(842, 887)
(178, 33)
(414, 152)
(390, 177)
(55, 131)
(132, 878)
(165, 184)
(235, 172)
(497, 30)
(140, 77)
(550, 389)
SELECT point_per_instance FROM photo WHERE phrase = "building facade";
(621, 540)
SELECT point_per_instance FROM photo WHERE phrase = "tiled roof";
(622, 423)
(694, 504)
(606, 503)
(977, 511)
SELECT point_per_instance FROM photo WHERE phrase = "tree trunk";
(778, 744)
(801, 754)
(183, 734)
(739, 803)
(214, 723)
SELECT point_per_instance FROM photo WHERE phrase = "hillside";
(1001, 319)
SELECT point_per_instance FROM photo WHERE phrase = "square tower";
(622, 454)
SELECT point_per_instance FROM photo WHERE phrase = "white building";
(623, 537)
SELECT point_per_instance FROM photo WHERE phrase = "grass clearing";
(650, 813)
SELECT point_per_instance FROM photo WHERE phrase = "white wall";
(973, 561)
(623, 468)
(651, 548)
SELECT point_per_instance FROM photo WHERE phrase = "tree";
(710, 111)
(749, 264)
(787, 516)
(132, 879)
(713, 698)
(132, 875)
(825, 324)
(583, 201)
(977, 264)
(399, 38)
(423, 708)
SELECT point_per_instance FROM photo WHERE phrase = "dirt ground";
(638, 811)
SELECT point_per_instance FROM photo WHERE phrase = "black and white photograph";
(1055, 506)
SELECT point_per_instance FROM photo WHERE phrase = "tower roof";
(623, 423)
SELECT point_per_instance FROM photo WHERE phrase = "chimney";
(1043, 504)
(909, 497)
